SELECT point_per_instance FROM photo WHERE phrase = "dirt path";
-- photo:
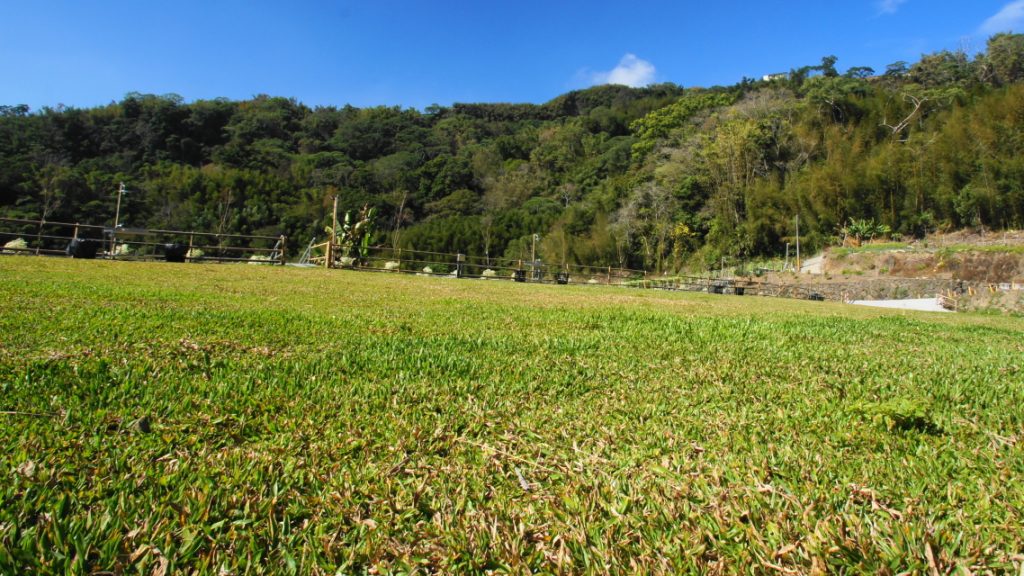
(813, 265)
(923, 304)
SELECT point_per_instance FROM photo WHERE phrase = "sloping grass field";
(232, 419)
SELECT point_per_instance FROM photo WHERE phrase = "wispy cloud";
(889, 6)
(1011, 17)
(631, 71)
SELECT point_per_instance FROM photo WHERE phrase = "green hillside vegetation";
(162, 419)
(654, 178)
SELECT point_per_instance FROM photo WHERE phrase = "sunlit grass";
(245, 419)
(840, 251)
(990, 248)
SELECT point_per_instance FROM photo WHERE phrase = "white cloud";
(1011, 17)
(631, 71)
(889, 6)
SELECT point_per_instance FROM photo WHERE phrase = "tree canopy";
(653, 177)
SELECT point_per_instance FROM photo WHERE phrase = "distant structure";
(776, 76)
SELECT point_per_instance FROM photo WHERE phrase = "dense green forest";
(659, 178)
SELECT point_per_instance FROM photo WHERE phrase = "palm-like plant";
(864, 229)
(353, 237)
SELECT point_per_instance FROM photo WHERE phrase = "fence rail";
(463, 266)
(44, 237)
(521, 270)
(59, 238)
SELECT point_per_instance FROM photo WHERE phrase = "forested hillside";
(657, 177)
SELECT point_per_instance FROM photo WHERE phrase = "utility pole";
(117, 220)
(334, 234)
(798, 243)
(533, 256)
(117, 212)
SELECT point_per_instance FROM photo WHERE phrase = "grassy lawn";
(235, 419)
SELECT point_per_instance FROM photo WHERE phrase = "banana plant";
(859, 231)
(353, 237)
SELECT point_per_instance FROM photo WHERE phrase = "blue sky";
(416, 53)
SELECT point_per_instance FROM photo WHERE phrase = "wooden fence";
(43, 237)
(462, 266)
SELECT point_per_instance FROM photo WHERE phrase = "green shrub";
(900, 414)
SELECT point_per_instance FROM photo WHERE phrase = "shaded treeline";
(655, 177)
